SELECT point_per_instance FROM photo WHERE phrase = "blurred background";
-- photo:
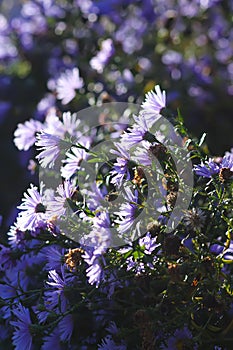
(122, 49)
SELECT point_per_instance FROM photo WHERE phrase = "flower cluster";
(70, 54)
(90, 263)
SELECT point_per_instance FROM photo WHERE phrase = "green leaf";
(95, 160)
(137, 254)
(126, 255)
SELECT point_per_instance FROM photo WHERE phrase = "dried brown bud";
(225, 174)
(76, 196)
(111, 196)
(154, 228)
(171, 245)
(169, 183)
(158, 150)
(171, 198)
(74, 258)
(138, 176)
(141, 318)
(195, 218)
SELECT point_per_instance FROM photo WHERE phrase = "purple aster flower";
(146, 154)
(228, 253)
(216, 248)
(74, 158)
(47, 102)
(127, 211)
(95, 262)
(101, 220)
(144, 64)
(120, 168)
(109, 288)
(94, 273)
(16, 237)
(142, 154)
(6, 293)
(22, 338)
(229, 153)
(227, 161)
(179, 339)
(225, 253)
(100, 236)
(137, 266)
(101, 59)
(154, 102)
(55, 296)
(32, 166)
(19, 275)
(210, 168)
(25, 134)
(148, 243)
(136, 133)
(95, 196)
(6, 259)
(59, 205)
(168, 58)
(131, 30)
(53, 125)
(207, 169)
(86, 7)
(54, 256)
(52, 341)
(71, 124)
(108, 343)
(50, 147)
(7, 50)
(66, 326)
(67, 83)
(7, 47)
(123, 81)
(52, 9)
(33, 210)
(32, 19)
(112, 328)
(42, 315)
